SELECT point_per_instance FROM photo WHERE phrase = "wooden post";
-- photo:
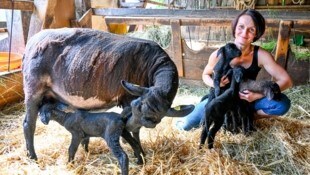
(177, 45)
(59, 14)
(283, 42)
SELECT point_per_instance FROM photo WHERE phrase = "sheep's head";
(272, 91)
(150, 107)
(229, 51)
(238, 73)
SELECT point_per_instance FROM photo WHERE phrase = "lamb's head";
(238, 73)
(272, 90)
(150, 107)
(229, 51)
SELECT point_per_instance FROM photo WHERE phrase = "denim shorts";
(270, 107)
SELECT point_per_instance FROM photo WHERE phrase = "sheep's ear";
(134, 89)
(220, 51)
(180, 111)
(269, 94)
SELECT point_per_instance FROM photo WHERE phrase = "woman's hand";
(224, 81)
(250, 96)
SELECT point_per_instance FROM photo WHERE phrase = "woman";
(247, 28)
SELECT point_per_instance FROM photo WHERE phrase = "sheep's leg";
(32, 101)
(204, 132)
(118, 152)
(135, 146)
(211, 135)
(136, 135)
(75, 141)
(85, 143)
(234, 122)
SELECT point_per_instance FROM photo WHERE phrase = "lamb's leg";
(204, 132)
(118, 152)
(75, 141)
(136, 135)
(211, 135)
(135, 146)
(84, 143)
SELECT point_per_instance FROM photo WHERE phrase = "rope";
(298, 1)
(244, 4)
(11, 30)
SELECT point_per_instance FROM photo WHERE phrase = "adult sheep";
(84, 67)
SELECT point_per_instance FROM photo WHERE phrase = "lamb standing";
(216, 109)
(82, 125)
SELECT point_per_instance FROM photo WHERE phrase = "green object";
(299, 40)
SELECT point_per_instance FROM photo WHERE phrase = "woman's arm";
(281, 77)
(208, 70)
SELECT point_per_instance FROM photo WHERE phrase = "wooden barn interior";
(194, 28)
(197, 28)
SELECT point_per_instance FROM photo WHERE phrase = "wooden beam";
(85, 21)
(283, 42)
(208, 13)
(177, 46)
(167, 21)
(18, 5)
(188, 21)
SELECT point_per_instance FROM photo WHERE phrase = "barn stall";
(280, 145)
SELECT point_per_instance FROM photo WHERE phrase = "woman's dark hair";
(258, 19)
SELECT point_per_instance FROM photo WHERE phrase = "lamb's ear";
(269, 93)
(180, 111)
(133, 89)
(220, 51)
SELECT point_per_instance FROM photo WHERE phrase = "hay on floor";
(280, 146)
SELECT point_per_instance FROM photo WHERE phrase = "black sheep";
(222, 68)
(266, 87)
(216, 109)
(243, 114)
(82, 125)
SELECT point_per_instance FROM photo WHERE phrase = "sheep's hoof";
(34, 157)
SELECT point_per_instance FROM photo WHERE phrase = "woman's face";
(245, 31)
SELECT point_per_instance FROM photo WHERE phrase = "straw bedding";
(280, 146)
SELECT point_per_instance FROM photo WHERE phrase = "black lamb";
(216, 109)
(83, 124)
(222, 68)
(242, 116)
(266, 87)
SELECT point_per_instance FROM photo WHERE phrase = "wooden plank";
(59, 14)
(191, 21)
(85, 21)
(206, 13)
(177, 47)
(18, 5)
(195, 61)
(104, 3)
(283, 42)
(167, 21)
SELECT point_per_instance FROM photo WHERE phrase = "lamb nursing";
(83, 124)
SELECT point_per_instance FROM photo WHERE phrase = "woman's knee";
(273, 107)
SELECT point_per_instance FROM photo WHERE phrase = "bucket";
(15, 61)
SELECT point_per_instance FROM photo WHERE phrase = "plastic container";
(15, 61)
